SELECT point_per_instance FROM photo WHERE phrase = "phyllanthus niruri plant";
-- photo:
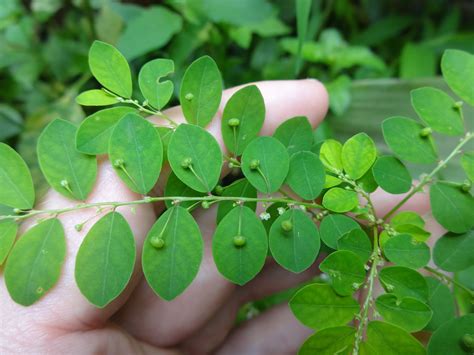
(329, 203)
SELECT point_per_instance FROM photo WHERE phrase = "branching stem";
(147, 199)
(427, 178)
(448, 279)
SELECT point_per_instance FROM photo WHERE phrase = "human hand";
(199, 321)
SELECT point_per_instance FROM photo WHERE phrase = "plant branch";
(364, 313)
(427, 178)
(147, 199)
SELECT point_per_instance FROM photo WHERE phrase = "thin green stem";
(364, 313)
(145, 200)
(427, 178)
(142, 108)
(446, 278)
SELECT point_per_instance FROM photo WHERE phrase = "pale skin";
(199, 321)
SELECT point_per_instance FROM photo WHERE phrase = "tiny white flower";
(281, 210)
(265, 216)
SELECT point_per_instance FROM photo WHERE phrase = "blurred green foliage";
(44, 44)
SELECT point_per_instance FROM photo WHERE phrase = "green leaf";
(329, 341)
(404, 282)
(452, 337)
(110, 68)
(367, 182)
(239, 188)
(437, 109)
(239, 245)
(149, 30)
(452, 207)
(330, 155)
(136, 152)
(407, 217)
(334, 226)
(274, 211)
(155, 91)
(247, 106)
(93, 134)
(296, 134)
(345, 270)
(389, 339)
(306, 176)
(340, 200)
(441, 301)
(458, 71)
(391, 175)
(68, 171)
(408, 313)
(454, 252)
(467, 163)
(272, 164)
(417, 233)
(358, 154)
(356, 241)
(8, 230)
(34, 264)
(165, 135)
(105, 260)
(175, 187)
(193, 142)
(201, 91)
(96, 97)
(331, 181)
(403, 250)
(15, 179)
(403, 136)
(294, 240)
(317, 306)
(172, 253)
(340, 96)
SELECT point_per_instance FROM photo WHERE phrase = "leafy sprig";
(328, 203)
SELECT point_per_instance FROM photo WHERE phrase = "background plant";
(327, 181)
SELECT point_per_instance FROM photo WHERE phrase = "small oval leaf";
(248, 107)
(239, 188)
(296, 134)
(110, 68)
(331, 155)
(403, 136)
(8, 230)
(388, 339)
(201, 91)
(334, 226)
(358, 154)
(306, 176)
(96, 97)
(136, 152)
(403, 250)
(265, 164)
(356, 241)
(239, 245)
(391, 175)
(155, 91)
(35, 262)
(195, 157)
(454, 252)
(404, 282)
(68, 171)
(294, 240)
(172, 253)
(340, 200)
(15, 179)
(458, 71)
(92, 136)
(105, 260)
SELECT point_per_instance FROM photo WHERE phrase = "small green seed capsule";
(64, 183)
(16, 211)
(157, 242)
(468, 341)
(425, 132)
(78, 227)
(219, 190)
(466, 185)
(457, 105)
(286, 225)
(189, 96)
(233, 122)
(119, 163)
(205, 204)
(239, 241)
(254, 164)
(186, 163)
